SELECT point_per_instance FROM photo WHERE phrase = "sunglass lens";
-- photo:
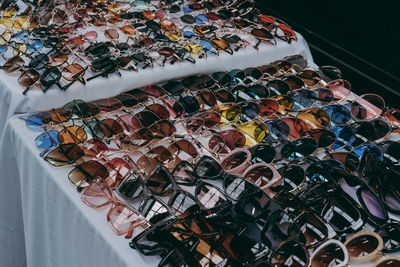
(190, 104)
(235, 186)
(181, 202)
(64, 154)
(249, 109)
(262, 153)
(209, 195)
(208, 168)
(362, 245)
(291, 254)
(390, 233)
(299, 148)
(159, 181)
(278, 87)
(132, 188)
(82, 174)
(368, 106)
(153, 210)
(184, 174)
(338, 114)
(373, 204)
(389, 263)
(47, 140)
(278, 129)
(330, 255)
(323, 137)
(292, 177)
(313, 228)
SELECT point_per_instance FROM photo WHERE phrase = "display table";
(13, 101)
(41, 212)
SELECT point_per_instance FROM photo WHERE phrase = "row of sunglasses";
(163, 163)
(65, 40)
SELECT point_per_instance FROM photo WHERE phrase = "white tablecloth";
(43, 217)
(12, 101)
(57, 228)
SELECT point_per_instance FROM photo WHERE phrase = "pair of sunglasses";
(122, 218)
(364, 246)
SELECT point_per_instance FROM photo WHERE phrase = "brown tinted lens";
(60, 17)
(309, 77)
(260, 175)
(111, 34)
(111, 127)
(59, 115)
(294, 82)
(154, 90)
(362, 245)
(219, 43)
(225, 96)
(13, 64)
(207, 98)
(64, 154)
(147, 118)
(330, 255)
(29, 77)
(314, 117)
(72, 134)
(162, 129)
(194, 124)
(233, 138)
(72, 72)
(161, 154)
(389, 263)
(262, 34)
(108, 104)
(139, 138)
(160, 110)
(127, 100)
(57, 59)
(217, 144)
(82, 174)
(292, 254)
(114, 19)
(183, 146)
(234, 160)
(45, 18)
(210, 118)
(128, 30)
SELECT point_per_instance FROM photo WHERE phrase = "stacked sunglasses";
(279, 165)
(55, 43)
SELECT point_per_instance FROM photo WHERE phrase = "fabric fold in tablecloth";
(42, 214)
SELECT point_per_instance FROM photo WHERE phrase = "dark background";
(368, 33)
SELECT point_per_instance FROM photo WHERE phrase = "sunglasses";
(122, 218)
(364, 246)
(208, 168)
